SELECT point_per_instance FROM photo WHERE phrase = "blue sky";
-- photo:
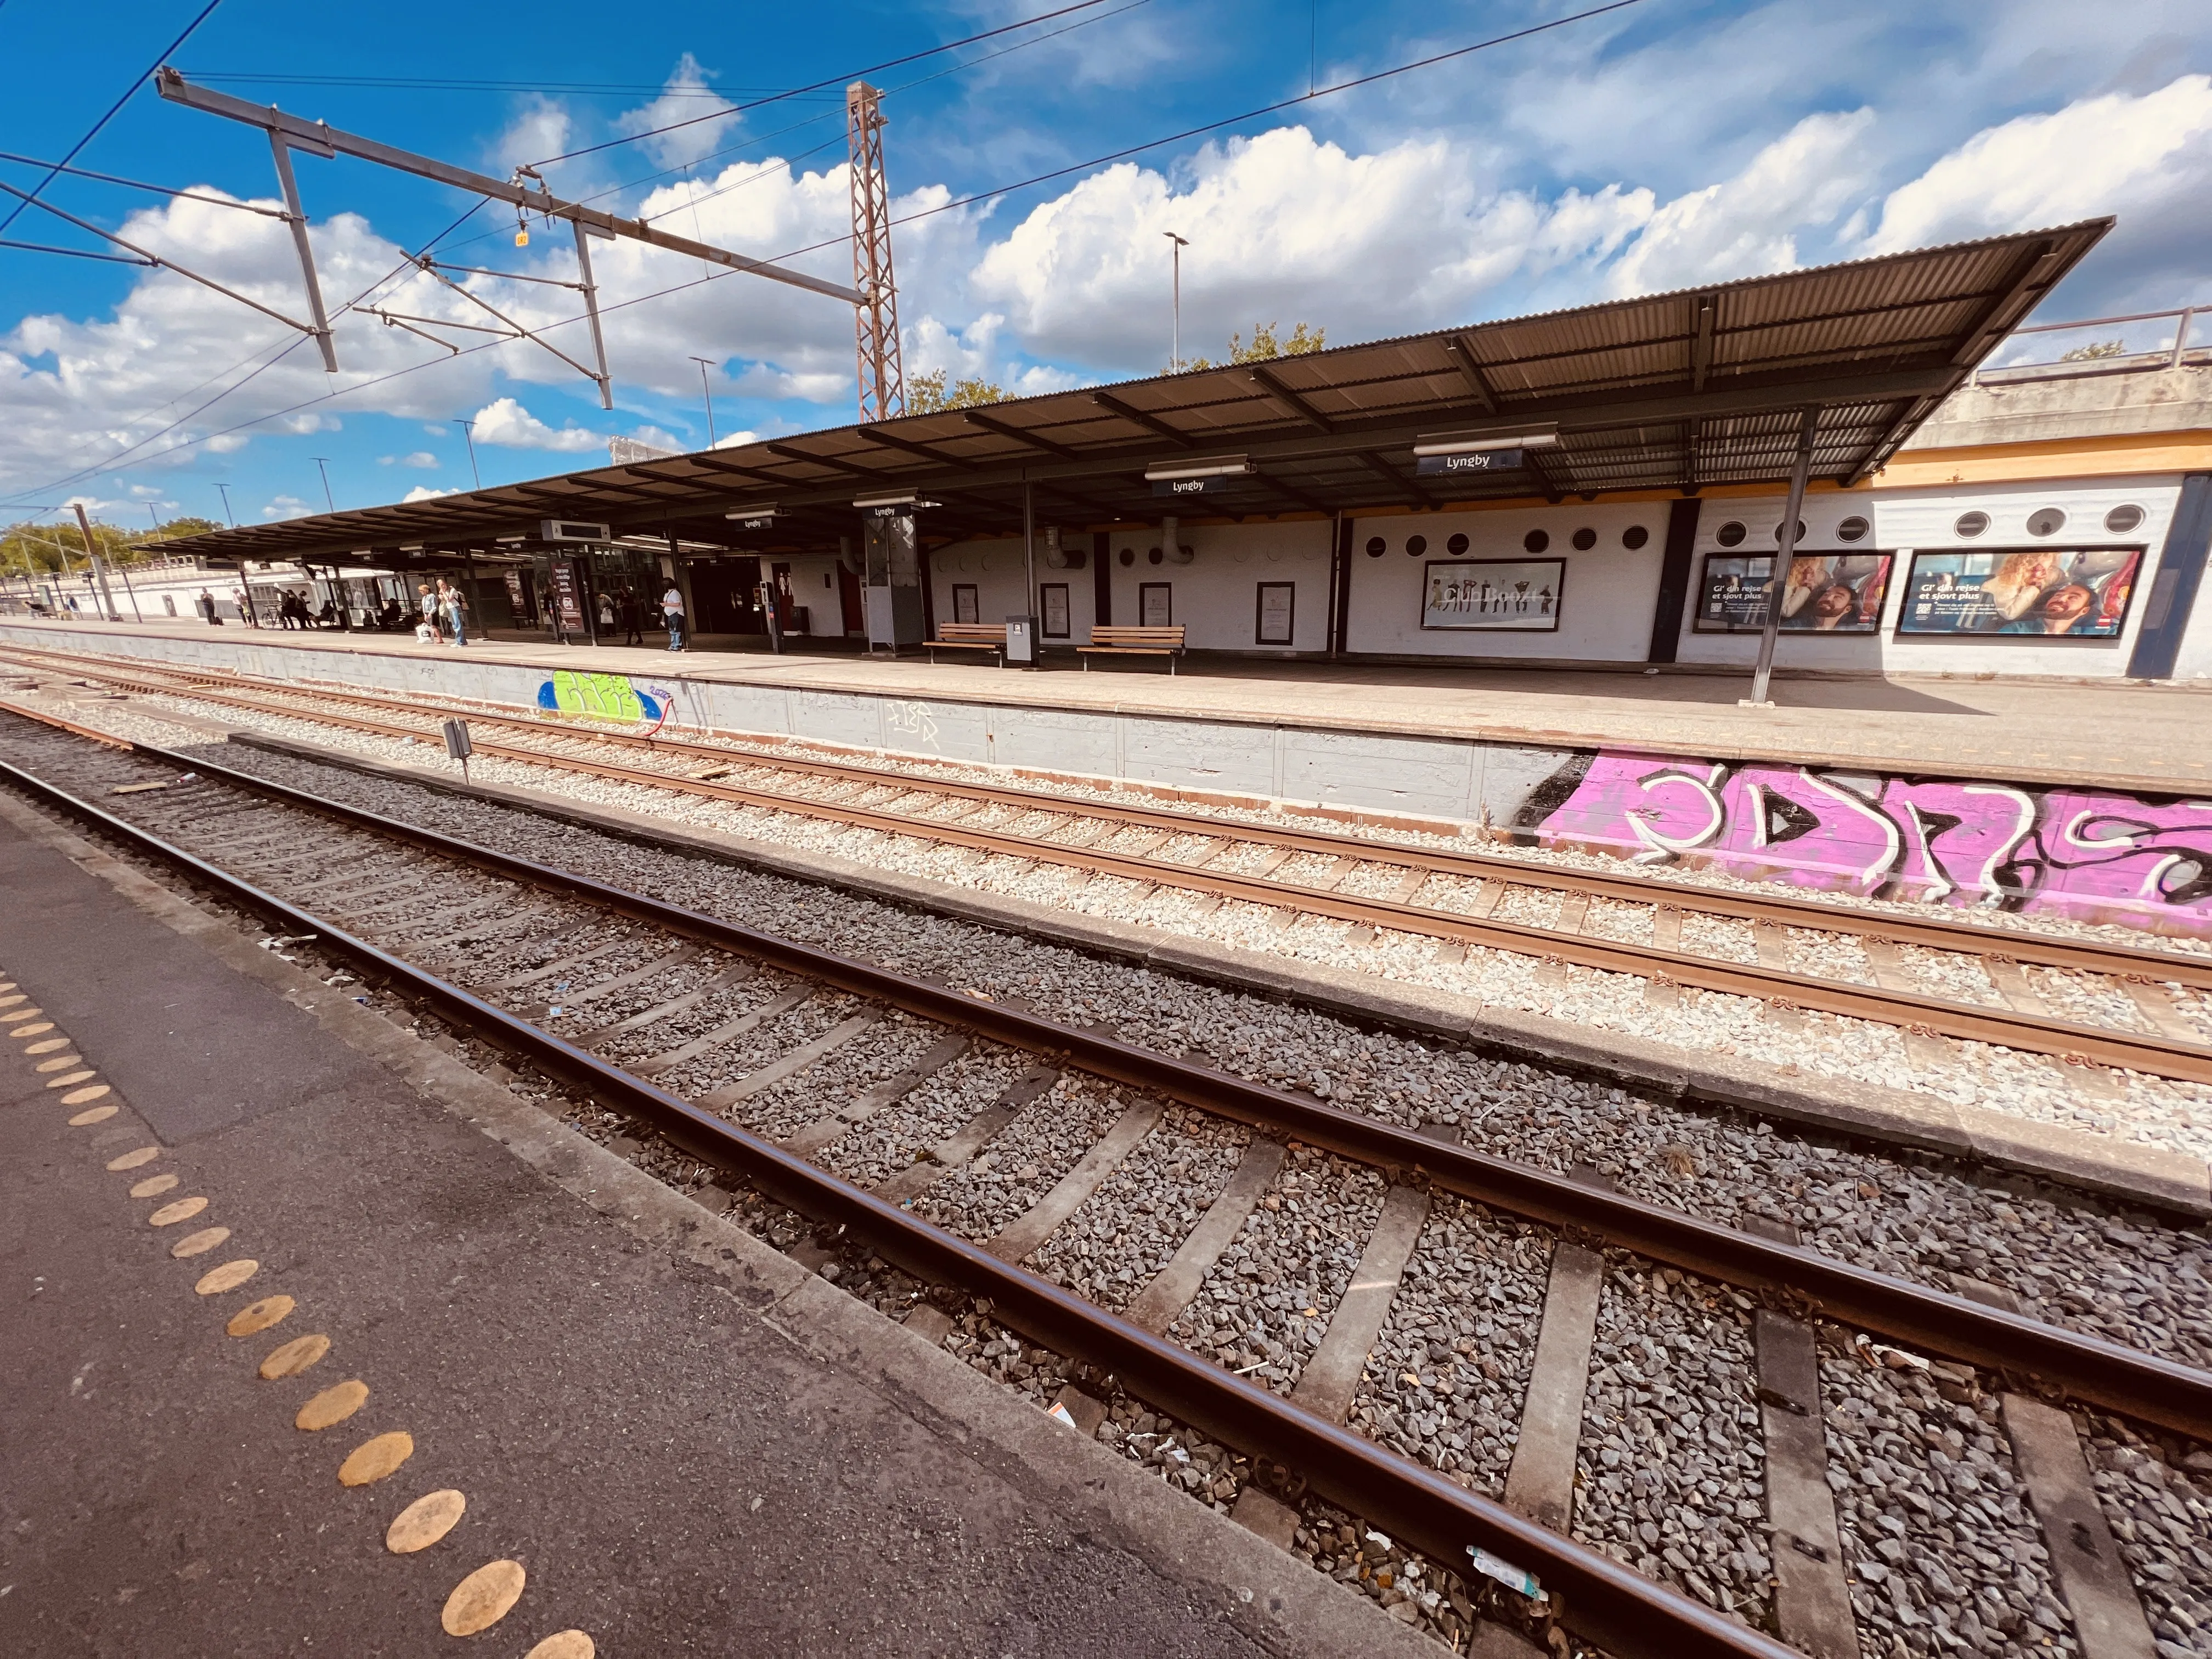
(1668, 143)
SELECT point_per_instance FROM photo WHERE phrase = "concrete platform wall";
(2093, 855)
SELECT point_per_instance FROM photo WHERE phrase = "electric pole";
(230, 516)
(875, 317)
(469, 432)
(322, 465)
(1175, 364)
(98, 566)
(709, 393)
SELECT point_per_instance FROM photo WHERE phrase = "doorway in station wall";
(724, 596)
(851, 617)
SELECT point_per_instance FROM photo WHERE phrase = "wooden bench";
(1111, 641)
(969, 636)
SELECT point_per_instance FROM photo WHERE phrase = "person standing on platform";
(628, 608)
(455, 610)
(606, 616)
(426, 602)
(207, 609)
(672, 613)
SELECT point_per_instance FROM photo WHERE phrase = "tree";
(925, 394)
(2093, 351)
(1303, 338)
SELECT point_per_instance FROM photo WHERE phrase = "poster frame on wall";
(1145, 613)
(2138, 552)
(1558, 567)
(1054, 615)
(966, 606)
(1865, 630)
(1289, 613)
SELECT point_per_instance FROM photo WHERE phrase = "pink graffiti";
(2090, 855)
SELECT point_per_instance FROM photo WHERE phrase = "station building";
(1598, 488)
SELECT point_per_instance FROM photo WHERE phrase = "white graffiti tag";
(911, 720)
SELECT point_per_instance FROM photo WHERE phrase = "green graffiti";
(607, 697)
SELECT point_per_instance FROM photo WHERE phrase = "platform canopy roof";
(1673, 392)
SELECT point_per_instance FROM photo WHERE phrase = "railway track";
(800, 1071)
(1462, 899)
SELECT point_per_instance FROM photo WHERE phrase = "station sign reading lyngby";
(1212, 486)
(1480, 460)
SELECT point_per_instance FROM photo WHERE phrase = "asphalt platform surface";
(672, 1473)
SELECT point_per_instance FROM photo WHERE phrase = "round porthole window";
(1634, 537)
(1128, 555)
(1377, 547)
(2046, 521)
(1730, 534)
(1535, 542)
(1154, 556)
(1457, 545)
(1416, 545)
(1969, 524)
(1800, 533)
(2122, 519)
(1584, 539)
(1853, 529)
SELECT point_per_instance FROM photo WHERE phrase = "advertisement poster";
(1055, 596)
(1155, 605)
(1826, 592)
(1276, 614)
(2080, 593)
(1516, 595)
(568, 595)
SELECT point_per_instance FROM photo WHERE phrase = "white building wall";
(1608, 591)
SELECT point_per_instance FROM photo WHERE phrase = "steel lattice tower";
(875, 318)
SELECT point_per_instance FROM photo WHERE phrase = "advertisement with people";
(1826, 593)
(1513, 594)
(2079, 592)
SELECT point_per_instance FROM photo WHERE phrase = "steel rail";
(2092, 1369)
(2152, 1053)
(2044, 950)
(1597, 1597)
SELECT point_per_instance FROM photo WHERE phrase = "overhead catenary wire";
(944, 207)
(140, 184)
(113, 109)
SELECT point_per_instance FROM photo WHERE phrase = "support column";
(1340, 621)
(1783, 554)
(1675, 578)
(2173, 589)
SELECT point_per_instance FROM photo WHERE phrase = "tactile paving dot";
(425, 1522)
(153, 1186)
(199, 1243)
(229, 1277)
(482, 1599)
(260, 1316)
(373, 1459)
(294, 1357)
(568, 1644)
(332, 1404)
(132, 1160)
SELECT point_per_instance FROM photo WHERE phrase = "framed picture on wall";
(1519, 596)
(2080, 593)
(1155, 605)
(1053, 596)
(1826, 593)
(965, 608)
(1276, 613)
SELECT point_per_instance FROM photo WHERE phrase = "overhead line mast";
(875, 316)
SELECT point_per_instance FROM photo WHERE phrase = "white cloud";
(736, 439)
(685, 99)
(2097, 155)
(423, 493)
(507, 424)
(286, 506)
(1742, 228)
(421, 458)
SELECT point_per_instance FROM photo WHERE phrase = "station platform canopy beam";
(1671, 393)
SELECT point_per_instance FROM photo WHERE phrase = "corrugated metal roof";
(1664, 391)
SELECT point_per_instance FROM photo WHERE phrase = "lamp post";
(323, 465)
(1175, 364)
(230, 517)
(98, 565)
(469, 433)
(709, 393)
